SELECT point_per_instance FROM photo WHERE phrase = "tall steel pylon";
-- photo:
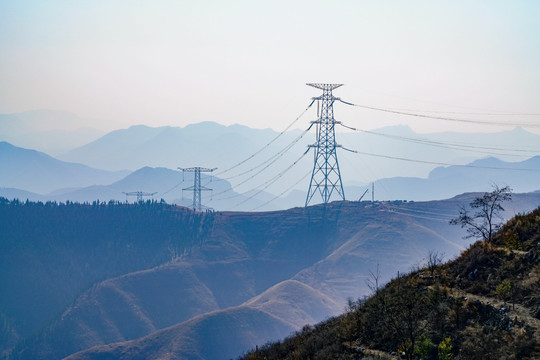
(197, 188)
(325, 178)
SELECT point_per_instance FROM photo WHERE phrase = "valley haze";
(142, 158)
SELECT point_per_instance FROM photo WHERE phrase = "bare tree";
(433, 261)
(486, 220)
(373, 281)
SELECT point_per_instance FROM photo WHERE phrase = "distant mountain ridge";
(208, 144)
(34, 171)
(445, 182)
(441, 183)
(163, 183)
(213, 145)
(50, 131)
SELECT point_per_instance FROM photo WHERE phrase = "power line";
(269, 161)
(454, 146)
(435, 162)
(268, 144)
(463, 147)
(467, 113)
(268, 183)
(171, 189)
(418, 216)
(273, 158)
(284, 191)
(441, 117)
(257, 187)
(421, 212)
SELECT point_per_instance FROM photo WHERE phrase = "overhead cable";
(421, 212)
(435, 162)
(273, 158)
(268, 144)
(425, 217)
(468, 113)
(171, 189)
(269, 162)
(284, 191)
(455, 146)
(535, 124)
(268, 183)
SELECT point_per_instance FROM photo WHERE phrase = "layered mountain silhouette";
(171, 185)
(28, 174)
(213, 145)
(248, 159)
(37, 172)
(50, 131)
(205, 144)
(444, 182)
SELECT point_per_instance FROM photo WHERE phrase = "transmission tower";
(325, 178)
(197, 188)
(139, 194)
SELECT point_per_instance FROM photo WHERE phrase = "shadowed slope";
(224, 334)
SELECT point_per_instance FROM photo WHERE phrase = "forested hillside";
(49, 252)
(483, 305)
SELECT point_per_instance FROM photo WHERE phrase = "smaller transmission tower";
(325, 178)
(139, 194)
(197, 188)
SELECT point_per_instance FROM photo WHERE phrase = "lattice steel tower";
(197, 188)
(326, 178)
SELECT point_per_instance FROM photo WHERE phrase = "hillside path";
(520, 312)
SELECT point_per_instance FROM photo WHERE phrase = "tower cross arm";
(326, 97)
(324, 86)
(203, 188)
(139, 193)
(197, 168)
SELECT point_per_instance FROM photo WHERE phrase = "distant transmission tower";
(197, 188)
(325, 178)
(139, 194)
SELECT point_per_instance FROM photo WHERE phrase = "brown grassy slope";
(220, 334)
(463, 300)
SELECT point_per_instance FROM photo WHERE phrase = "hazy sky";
(179, 62)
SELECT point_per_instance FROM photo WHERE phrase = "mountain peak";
(518, 130)
(205, 125)
(6, 147)
(397, 130)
